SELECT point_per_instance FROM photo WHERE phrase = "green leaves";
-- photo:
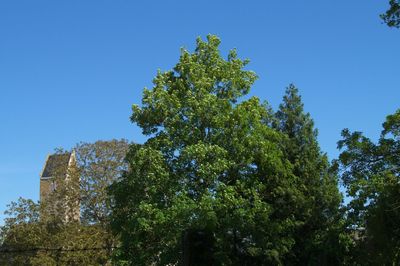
(27, 240)
(201, 85)
(370, 172)
(100, 164)
(210, 163)
(255, 181)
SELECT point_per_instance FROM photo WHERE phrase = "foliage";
(23, 214)
(392, 15)
(371, 172)
(31, 241)
(213, 163)
(100, 164)
(317, 239)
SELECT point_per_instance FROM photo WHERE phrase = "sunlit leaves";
(212, 162)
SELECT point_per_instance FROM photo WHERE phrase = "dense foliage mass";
(216, 163)
(28, 240)
(317, 239)
(371, 174)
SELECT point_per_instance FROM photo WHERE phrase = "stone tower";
(57, 169)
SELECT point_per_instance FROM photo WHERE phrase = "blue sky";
(70, 71)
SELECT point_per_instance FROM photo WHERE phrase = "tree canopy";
(371, 174)
(213, 163)
(100, 164)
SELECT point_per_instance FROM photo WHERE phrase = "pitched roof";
(56, 164)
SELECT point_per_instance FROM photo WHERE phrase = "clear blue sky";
(70, 70)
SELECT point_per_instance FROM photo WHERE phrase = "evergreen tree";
(317, 237)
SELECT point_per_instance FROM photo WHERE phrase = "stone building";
(57, 174)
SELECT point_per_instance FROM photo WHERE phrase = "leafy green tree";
(100, 164)
(317, 239)
(371, 174)
(212, 163)
(19, 232)
(392, 15)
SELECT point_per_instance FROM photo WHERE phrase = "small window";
(53, 186)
